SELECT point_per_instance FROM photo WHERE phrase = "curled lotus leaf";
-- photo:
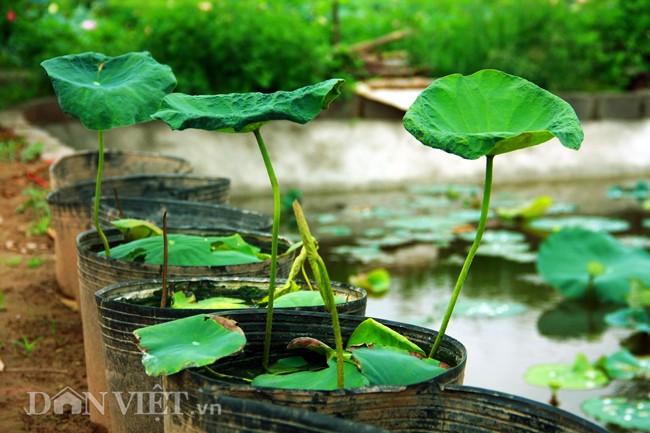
(246, 112)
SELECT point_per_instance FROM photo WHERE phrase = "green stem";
(485, 207)
(98, 192)
(325, 287)
(274, 245)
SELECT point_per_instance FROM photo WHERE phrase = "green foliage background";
(219, 46)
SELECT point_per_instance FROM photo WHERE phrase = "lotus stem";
(98, 192)
(163, 299)
(485, 208)
(321, 276)
(274, 245)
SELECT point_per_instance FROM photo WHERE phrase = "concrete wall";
(331, 154)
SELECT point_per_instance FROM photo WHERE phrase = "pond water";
(510, 319)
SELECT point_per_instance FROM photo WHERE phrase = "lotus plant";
(487, 114)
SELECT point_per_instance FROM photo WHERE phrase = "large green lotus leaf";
(579, 375)
(187, 250)
(620, 411)
(134, 229)
(325, 379)
(245, 112)
(193, 341)
(566, 260)
(108, 92)
(490, 113)
(388, 366)
(372, 333)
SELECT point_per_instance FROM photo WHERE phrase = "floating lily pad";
(535, 209)
(362, 254)
(109, 92)
(637, 319)
(192, 341)
(623, 365)
(180, 300)
(638, 191)
(579, 375)
(325, 379)
(303, 298)
(620, 411)
(488, 309)
(337, 231)
(376, 282)
(574, 259)
(490, 113)
(593, 223)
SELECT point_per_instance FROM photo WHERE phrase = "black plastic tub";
(82, 165)
(125, 307)
(182, 213)
(287, 326)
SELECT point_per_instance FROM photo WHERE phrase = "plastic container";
(122, 310)
(82, 165)
(71, 207)
(98, 271)
(286, 326)
(181, 213)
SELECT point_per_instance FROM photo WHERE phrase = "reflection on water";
(545, 329)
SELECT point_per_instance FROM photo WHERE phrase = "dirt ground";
(32, 308)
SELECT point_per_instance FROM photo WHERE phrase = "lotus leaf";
(372, 333)
(377, 281)
(623, 365)
(594, 223)
(246, 112)
(565, 258)
(134, 229)
(579, 375)
(490, 113)
(180, 300)
(620, 411)
(192, 341)
(324, 379)
(109, 92)
(630, 318)
(303, 298)
(186, 250)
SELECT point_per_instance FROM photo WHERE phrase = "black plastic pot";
(181, 213)
(449, 409)
(71, 208)
(82, 165)
(289, 325)
(98, 271)
(125, 307)
(225, 414)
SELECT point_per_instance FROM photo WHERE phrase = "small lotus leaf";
(376, 281)
(303, 298)
(187, 250)
(620, 411)
(564, 262)
(579, 375)
(193, 341)
(630, 318)
(109, 92)
(214, 303)
(388, 366)
(245, 112)
(623, 365)
(490, 113)
(134, 229)
(372, 333)
(594, 223)
(325, 379)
